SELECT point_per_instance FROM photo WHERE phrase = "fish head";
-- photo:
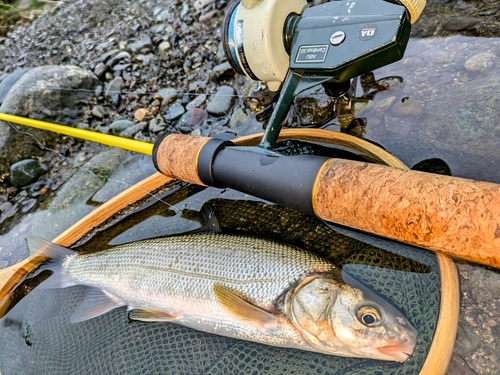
(349, 320)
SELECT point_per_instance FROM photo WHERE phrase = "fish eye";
(369, 316)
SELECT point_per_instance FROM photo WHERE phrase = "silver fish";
(233, 285)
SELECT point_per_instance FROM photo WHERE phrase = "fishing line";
(86, 170)
(148, 93)
(40, 143)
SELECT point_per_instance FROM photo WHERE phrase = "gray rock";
(115, 86)
(143, 45)
(9, 81)
(174, 112)
(196, 102)
(222, 101)
(50, 93)
(467, 340)
(482, 62)
(100, 70)
(239, 120)
(121, 56)
(25, 172)
(98, 111)
(221, 71)
(163, 15)
(460, 23)
(120, 125)
(157, 124)
(132, 130)
(168, 95)
(108, 55)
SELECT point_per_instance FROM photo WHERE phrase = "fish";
(235, 285)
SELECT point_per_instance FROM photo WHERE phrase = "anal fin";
(244, 310)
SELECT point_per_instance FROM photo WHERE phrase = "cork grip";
(176, 156)
(452, 215)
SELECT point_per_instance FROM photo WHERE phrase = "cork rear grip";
(456, 216)
(176, 156)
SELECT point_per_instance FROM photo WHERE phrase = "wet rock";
(482, 62)
(114, 87)
(222, 101)
(25, 172)
(467, 340)
(71, 201)
(70, 89)
(221, 71)
(7, 209)
(108, 55)
(458, 366)
(460, 23)
(168, 95)
(9, 81)
(479, 280)
(407, 107)
(175, 111)
(120, 125)
(313, 110)
(256, 96)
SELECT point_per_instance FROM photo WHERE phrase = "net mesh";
(37, 338)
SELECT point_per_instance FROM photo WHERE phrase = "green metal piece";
(294, 84)
(335, 42)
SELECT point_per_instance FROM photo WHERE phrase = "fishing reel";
(293, 47)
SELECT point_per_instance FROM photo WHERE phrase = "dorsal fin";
(208, 219)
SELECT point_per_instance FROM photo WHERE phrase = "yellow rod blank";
(105, 139)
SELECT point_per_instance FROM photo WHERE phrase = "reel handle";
(455, 216)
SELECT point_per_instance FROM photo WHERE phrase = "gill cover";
(349, 320)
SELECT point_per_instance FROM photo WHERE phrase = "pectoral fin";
(150, 315)
(95, 302)
(244, 310)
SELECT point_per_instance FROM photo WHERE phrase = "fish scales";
(260, 269)
(178, 274)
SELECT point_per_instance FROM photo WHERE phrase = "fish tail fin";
(47, 256)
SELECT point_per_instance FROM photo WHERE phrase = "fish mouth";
(398, 351)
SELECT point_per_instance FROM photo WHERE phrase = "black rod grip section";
(285, 180)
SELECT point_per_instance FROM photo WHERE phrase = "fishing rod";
(292, 48)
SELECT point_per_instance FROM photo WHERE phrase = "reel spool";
(262, 39)
(293, 47)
